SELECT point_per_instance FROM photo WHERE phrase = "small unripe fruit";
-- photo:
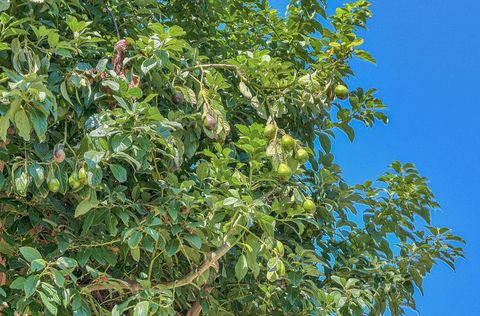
(73, 182)
(284, 171)
(59, 155)
(177, 97)
(309, 206)
(341, 92)
(54, 185)
(210, 122)
(301, 156)
(288, 143)
(270, 131)
(82, 176)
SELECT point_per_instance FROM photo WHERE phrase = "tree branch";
(193, 275)
(242, 77)
(186, 280)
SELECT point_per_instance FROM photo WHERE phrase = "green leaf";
(4, 5)
(135, 92)
(172, 247)
(135, 252)
(348, 130)
(101, 65)
(37, 172)
(4, 46)
(141, 309)
(135, 239)
(202, 171)
(5, 119)
(95, 176)
(83, 207)
(30, 285)
(22, 123)
(18, 283)
(66, 263)
(53, 39)
(93, 157)
(120, 143)
(46, 301)
(58, 278)
(194, 241)
(6, 248)
(39, 121)
(30, 253)
(38, 265)
(241, 268)
(365, 56)
(119, 172)
(325, 142)
(64, 92)
(4, 125)
(111, 84)
(148, 64)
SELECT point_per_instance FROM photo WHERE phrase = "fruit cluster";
(77, 179)
(290, 148)
(293, 155)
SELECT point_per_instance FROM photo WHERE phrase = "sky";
(427, 72)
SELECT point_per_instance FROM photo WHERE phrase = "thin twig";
(114, 21)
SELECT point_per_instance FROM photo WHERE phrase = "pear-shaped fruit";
(309, 206)
(74, 182)
(59, 155)
(82, 176)
(288, 143)
(270, 131)
(301, 156)
(54, 185)
(341, 92)
(210, 122)
(284, 172)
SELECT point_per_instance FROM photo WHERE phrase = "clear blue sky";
(428, 73)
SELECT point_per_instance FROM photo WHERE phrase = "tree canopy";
(175, 158)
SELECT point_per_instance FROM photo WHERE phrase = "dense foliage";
(174, 158)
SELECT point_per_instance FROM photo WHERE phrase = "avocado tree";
(172, 157)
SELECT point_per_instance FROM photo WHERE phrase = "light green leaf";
(18, 283)
(66, 263)
(241, 268)
(141, 309)
(46, 301)
(22, 123)
(148, 64)
(4, 5)
(111, 84)
(83, 207)
(365, 56)
(30, 253)
(245, 90)
(37, 172)
(92, 157)
(38, 265)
